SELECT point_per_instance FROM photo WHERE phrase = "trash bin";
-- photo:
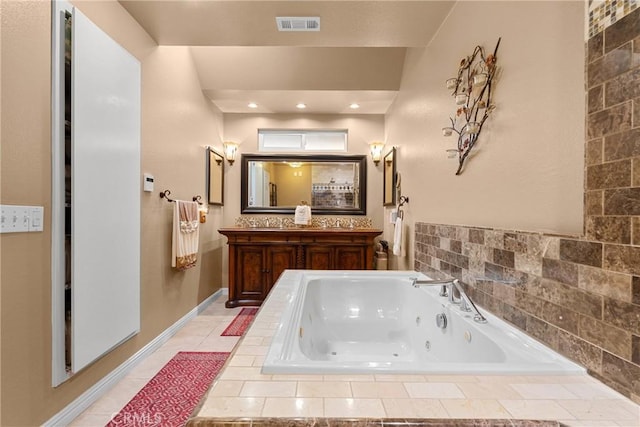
(380, 260)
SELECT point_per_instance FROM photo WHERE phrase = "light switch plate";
(20, 219)
(37, 219)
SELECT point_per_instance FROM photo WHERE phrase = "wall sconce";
(376, 148)
(230, 150)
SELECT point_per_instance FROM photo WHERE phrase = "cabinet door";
(250, 277)
(350, 258)
(279, 259)
(319, 257)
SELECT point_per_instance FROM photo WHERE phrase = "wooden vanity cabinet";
(257, 256)
(256, 267)
(336, 257)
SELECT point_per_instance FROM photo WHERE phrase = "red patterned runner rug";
(241, 322)
(170, 397)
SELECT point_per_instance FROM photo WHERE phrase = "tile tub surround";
(243, 396)
(579, 297)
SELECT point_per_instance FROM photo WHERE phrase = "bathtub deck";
(242, 395)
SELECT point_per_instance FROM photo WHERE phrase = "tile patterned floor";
(201, 334)
(241, 389)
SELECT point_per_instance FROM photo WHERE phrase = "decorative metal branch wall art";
(472, 93)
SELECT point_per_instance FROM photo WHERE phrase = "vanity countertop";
(311, 230)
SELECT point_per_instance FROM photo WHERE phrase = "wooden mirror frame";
(215, 177)
(389, 180)
(244, 181)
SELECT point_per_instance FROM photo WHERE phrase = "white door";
(105, 193)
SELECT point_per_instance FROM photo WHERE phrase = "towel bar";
(165, 194)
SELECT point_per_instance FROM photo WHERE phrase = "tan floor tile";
(243, 373)
(323, 389)
(414, 408)
(629, 423)
(239, 360)
(475, 408)
(536, 409)
(293, 407)
(226, 388)
(600, 409)
(259, 361)
(493, 390)
(434, 390)
(196, 328)
(592, 391)
(591, 423)
(116, 398)
(150, 366)
(557, 379)
(91, 420)
(216, 343)
(347, 407)
(252, 350)
(232, 407)
(542, 391)
(378, 389)
(296, 377)
(184, 343)
(252, 340)
(502, 379)
(269, 389)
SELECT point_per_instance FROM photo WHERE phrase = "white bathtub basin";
(376, 322)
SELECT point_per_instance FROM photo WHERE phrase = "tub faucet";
(446, 289)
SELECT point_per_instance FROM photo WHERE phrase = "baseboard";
(86, 399)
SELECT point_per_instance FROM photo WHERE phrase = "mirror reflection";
(329, 184)
(215, 185)
(389, 187)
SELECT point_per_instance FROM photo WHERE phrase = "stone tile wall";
(580, 295)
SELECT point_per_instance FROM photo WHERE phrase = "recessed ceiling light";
(301, 106)
(252, 105)
(354, 106)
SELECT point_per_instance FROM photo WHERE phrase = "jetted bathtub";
(377, 322)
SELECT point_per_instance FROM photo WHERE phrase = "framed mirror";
(389, 186)
(215, 174)
(329, 184)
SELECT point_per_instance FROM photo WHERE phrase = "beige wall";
(527, 171)
(177, 123)
(298, 186)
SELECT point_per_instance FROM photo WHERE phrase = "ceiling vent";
(298, 23)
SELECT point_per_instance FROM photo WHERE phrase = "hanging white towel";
(302, 215)
(397, 237)
(184, 248)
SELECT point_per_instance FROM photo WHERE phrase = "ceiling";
(241, 57)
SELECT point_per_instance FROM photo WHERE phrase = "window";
(302, 140)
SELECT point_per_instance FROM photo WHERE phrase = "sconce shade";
(376, 148)
(230, 150)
